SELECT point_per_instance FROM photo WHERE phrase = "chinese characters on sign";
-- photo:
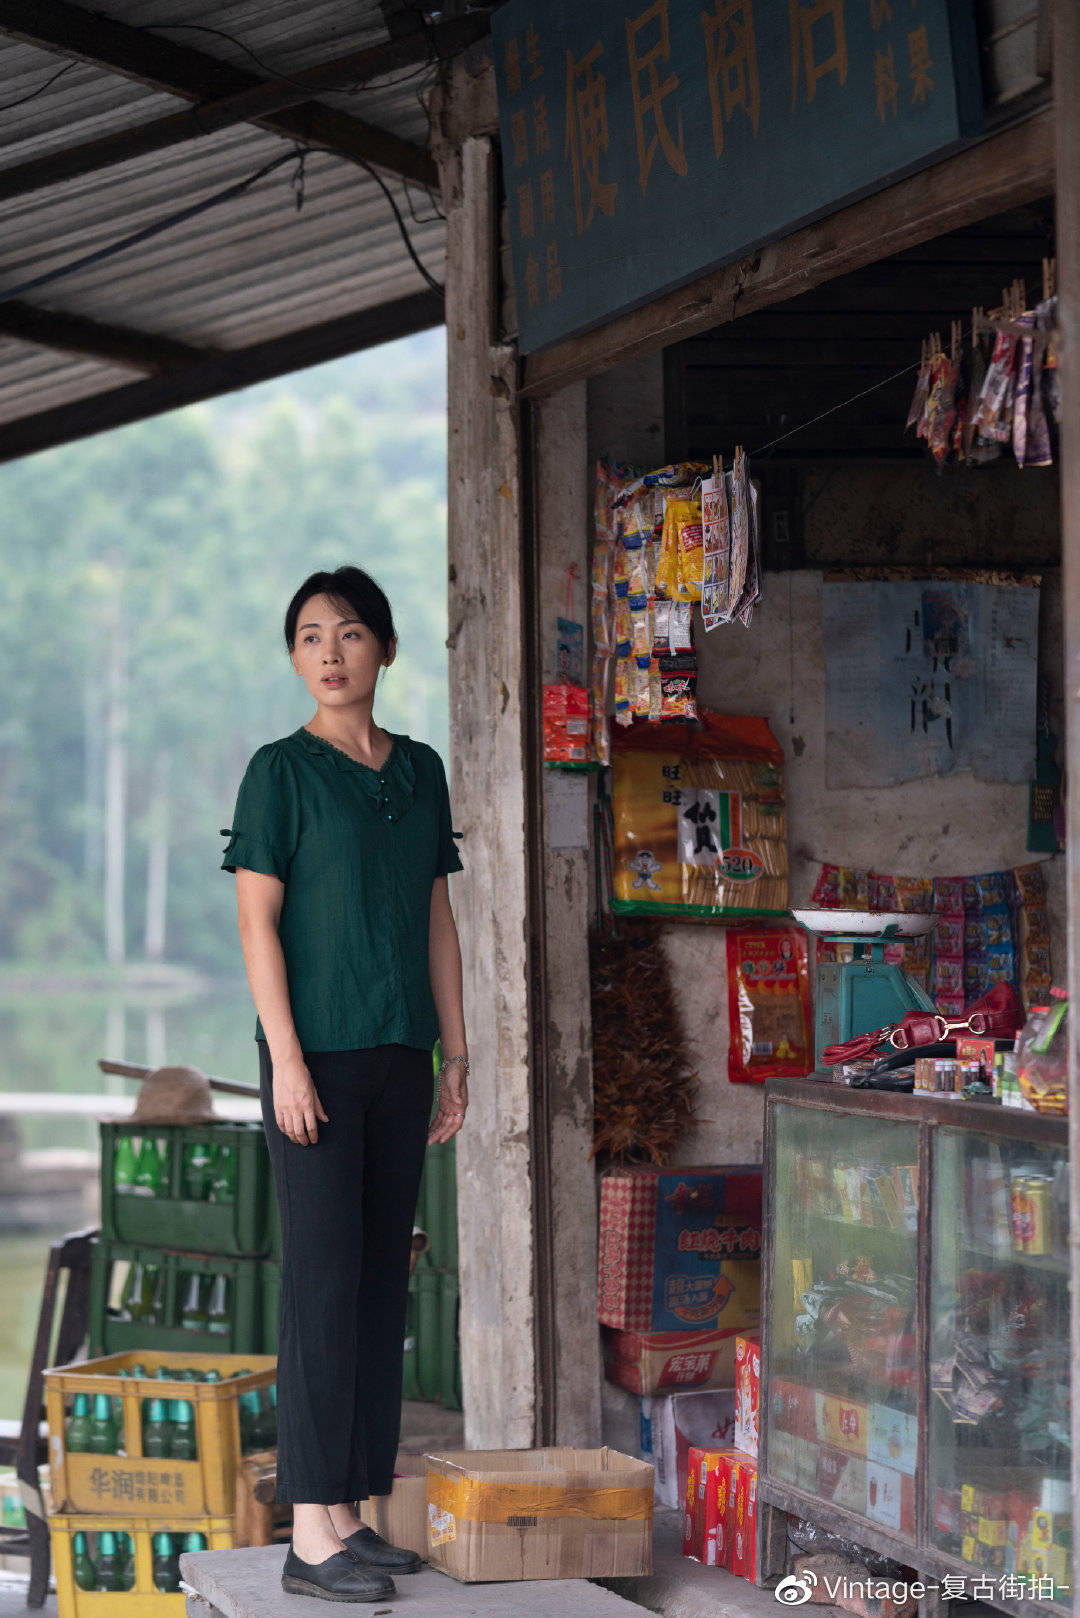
(645, 144)
(137, 1487)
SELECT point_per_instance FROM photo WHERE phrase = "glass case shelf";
(916, 1370)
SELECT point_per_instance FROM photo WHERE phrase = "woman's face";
(337, 657)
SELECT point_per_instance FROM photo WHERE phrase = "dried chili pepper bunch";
(643, 1080)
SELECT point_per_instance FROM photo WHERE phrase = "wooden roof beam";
(223, 95)
(116, 345)
(221, 373)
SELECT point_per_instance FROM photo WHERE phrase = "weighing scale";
(863, 994)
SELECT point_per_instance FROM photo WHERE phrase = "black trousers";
(347, 1209)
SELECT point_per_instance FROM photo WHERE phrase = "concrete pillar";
(495, 1168)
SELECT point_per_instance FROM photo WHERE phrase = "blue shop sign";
(644, 145)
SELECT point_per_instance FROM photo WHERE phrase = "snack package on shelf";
(700, 819)
(768, 1004)
(1042, 1056)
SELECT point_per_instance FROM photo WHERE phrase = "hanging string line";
(825, 414)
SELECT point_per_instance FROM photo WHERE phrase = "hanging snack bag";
(768, 1004)
(678, 686)
(681, 546)
(700, 821)
(716, 546)
(995, 418)
(740, 539)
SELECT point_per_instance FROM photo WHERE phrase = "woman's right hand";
(296, 1103)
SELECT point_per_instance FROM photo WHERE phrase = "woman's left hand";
(453, 1103)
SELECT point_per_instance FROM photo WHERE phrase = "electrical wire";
(149, 231)
(51, 80)
(825, 414)
(276, 75)
(436, 286)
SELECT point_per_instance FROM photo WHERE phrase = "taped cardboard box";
(679, 1248)
(557, 1513)
(663, 1361)
(401, 1517)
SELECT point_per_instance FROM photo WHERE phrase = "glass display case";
(916, 1334)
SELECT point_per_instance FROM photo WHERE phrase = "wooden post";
(487, 667)
(1066, 59)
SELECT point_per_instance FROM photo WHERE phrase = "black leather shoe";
(370, 1550)
(339, 1578)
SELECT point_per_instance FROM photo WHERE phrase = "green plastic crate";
(242, 1226)
(436, 1206)
(270, 1302)
(432, 1347)
(110, 1334)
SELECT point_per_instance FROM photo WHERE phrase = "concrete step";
(247, 1584)
(680, 1588)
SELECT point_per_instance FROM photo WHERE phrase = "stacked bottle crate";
(143, 1457)
(432, 1353)
(187, 1218)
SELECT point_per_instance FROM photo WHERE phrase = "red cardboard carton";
(747, 1393)
(710, 1507)
(744, 1535)
(659, 1361)
(679, 1248)
(672, 1426)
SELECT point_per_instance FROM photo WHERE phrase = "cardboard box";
(893, 1438)
(671, 1426)
(401, 1517)
(679, 1248)
(794, 1459)
(708, 1523)
(651, 1362)
(793, 1409)
(841, 1478)
(747, 1394)
(744, 1533)
(539, 1514)
(890, 1498)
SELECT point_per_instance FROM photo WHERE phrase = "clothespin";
(956, 337)
(978, 322)
(1049, 274)
(1019, 289)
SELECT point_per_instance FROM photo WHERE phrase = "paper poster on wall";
(927, 676)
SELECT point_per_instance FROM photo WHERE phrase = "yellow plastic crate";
(142, 1600)
(130, 1482)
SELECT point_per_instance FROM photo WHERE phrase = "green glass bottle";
(78, 1427)
(125, 1555)
(138, 1300)
(249, 1420)
(124, 1165)
(83, 1569)
(194, 1542)
(182, 1442)
(109, 1572)
(193, 1315)
(212, 1375)
(155, 1295)
(223, 1185)
(166, 1564)
(156, 1431)
(148, 1169)
(104, 1435)
(266, 1427)
(218, 1319)
(198, 1171)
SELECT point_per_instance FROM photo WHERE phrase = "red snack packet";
(768, 1004)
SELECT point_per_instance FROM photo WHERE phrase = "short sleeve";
(449, 858)
(266, 823)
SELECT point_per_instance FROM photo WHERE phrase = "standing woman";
(341, 844)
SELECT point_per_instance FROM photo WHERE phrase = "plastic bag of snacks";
(1042, 1055)
(768, 1004)
(700, 819)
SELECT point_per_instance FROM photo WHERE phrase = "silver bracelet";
(448, 1061)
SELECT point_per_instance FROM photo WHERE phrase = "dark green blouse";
(358, 851)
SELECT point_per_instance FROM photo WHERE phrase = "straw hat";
(174, 1095)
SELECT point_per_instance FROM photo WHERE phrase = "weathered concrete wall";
(564, 492)
(488, 785)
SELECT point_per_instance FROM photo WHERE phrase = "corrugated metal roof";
(253, 268)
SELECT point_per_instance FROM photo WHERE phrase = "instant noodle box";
(539, 1514)
(700, 819)
(660, 1361)
(679, 1248)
